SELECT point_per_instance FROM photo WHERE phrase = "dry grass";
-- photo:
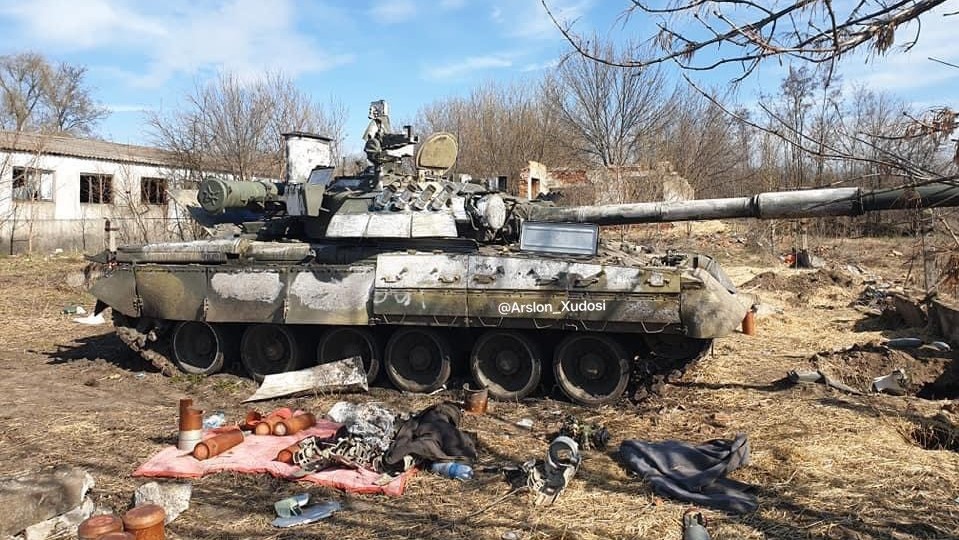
(827, 465)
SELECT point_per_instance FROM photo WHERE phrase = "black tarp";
(694, 473)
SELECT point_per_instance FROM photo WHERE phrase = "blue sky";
(144, 55)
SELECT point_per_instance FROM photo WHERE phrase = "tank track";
(146, 338)
(651, 375)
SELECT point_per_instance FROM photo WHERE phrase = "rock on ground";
(32, 498)
(173, 497)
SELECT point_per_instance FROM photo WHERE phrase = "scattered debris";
(215, 420)
(433, 435)
(895, 383)
(941, 346)
(587, 435)
(808, 377)
(694, 473)
(694, 526)
(475, 401)
(347, 375)
(33, 498)
(525, 423)
(174, 497)
(372, 422)
(548, 479)
(290, 506)
(91, 320)
(309, 514)
(904, 343)
(452, 470)
(933, 374)
(911, 310)
(510, 535)
(74, 310)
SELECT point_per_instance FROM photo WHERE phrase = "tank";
(423, 276)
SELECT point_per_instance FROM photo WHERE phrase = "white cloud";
(244, 36)
(79, 24)
(393, 11)
(126, 108)
(529, 20)
(467, 66)
(536, 66)
(906, 72)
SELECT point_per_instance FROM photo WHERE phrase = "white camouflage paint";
(352, 292)
(248, 287)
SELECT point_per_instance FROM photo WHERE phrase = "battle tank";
(422, 275)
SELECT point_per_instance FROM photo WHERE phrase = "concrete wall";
(67, 223)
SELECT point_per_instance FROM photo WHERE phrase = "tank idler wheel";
(418, 359)
(591, 369)
(508, 363)
(269, 348)
(199, 348)
(346, 342)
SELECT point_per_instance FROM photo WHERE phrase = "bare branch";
(811, 30)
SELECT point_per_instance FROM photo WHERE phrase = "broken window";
(153, 190)
(31, 184)
(96, 188)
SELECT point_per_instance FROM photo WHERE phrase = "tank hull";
(518, 306)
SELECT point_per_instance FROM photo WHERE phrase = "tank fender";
(118, 290)
(707, 308)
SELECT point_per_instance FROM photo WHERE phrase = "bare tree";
(234, 125)
(607, 109)
(499, 127)
(746, 33)
(701, 35)
(39, 96)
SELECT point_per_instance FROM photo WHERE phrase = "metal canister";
(749, 323)
(145, 522)
(191, 428)
(295, 424)
(265, 427)
(215, 446)
(94, 527)
(476, 400)
(286, 455)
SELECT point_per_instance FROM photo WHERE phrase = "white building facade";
(57, 192)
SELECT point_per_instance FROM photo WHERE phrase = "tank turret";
(417, 273)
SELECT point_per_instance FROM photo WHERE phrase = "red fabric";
(256, 454)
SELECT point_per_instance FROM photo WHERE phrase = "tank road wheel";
(269, 348)
(507, 363)
(418, 359)
(591, 369)
(198, 347)
(346, 342)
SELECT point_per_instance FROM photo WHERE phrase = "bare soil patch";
(932, 373)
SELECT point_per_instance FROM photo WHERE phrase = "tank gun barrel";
(770, 205)
(216, 195)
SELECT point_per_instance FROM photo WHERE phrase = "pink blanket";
(255, 455)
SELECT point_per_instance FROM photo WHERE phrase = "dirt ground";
(827, 464)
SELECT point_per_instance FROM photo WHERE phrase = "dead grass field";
(828, 465)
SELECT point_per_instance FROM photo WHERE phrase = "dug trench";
(827, 464)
